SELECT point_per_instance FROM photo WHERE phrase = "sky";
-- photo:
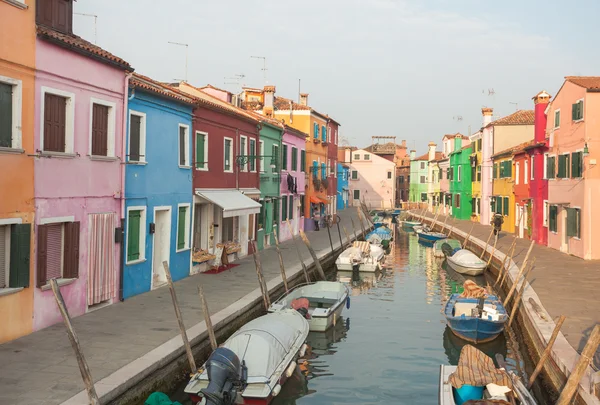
(413, 69)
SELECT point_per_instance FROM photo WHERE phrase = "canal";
(389, 347)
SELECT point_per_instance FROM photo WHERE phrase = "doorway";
(521, 220)
(564, 240)
(161, 245)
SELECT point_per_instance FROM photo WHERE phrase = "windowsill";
(9, 291)
(182, 250)
(17, 4)
(15, 151)
(185, 167)
(137, 163)
(227, 171)
(60, 155)
(60, 282)
(577, 121)
(138, 261)
(202, 169)
(103, 158)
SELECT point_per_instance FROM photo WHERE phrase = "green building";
(460, 180)
(419, 167)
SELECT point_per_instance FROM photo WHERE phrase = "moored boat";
(410, 224)
(254, 363)
(463, 261)
(427, 235)
(365, 255)
(437, 246)
(326, 301)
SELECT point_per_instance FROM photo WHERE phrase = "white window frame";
(187, 226)
(582, 110)
(554, 118)
(328, 134)
(244, 167)
(525, 171)
(225, 139)
(459, 173)
(328, 170)
(204, 167)
(517, 172)
(69, 120)
(546, 213)
(517, 215)
(546, 166)
(17, 111)
(356, 156)
(111, 130)
(142, 240)
(354, 193)
(261, 153)
(531, 169)
(186, 150)
(142, 137)
(351, 175)
(254, 153)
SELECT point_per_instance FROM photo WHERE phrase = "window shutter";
(133, 236)
(284, 205)
(200, 151)
(495, 171)
(99, 130)
(135, 127)
(71, 250)
(508, 164)
(181, 228)
(42, 254)
(55, 110)
(20, 238)
(574, 111)
(499, 205)
(6, 115)
(571, 222)
(3, 255)
(561, 166)
(291, 207)
(324, 133)
(303, 160)
(506, 206)
(294, 159)
(285, 154)
(182, 159)
(553, 217)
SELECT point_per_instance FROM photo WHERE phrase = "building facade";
(460, 180)
(343, 191)
(503, 198)
(418, 177)
(332, 160)
(433, 177)
(475, 163)
(293, 181)
(372, 180)
(403, 180)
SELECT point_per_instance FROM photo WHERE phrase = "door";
(101, 259)
(162, 245)
(564, 241)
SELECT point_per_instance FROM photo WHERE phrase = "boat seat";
(321, 301)
(463, 308)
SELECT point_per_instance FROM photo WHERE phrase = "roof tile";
(520, 117)
(588, 82)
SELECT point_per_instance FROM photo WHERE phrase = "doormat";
(221, 268)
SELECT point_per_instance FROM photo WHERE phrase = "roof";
(295, 131)
(282, 103)
(587, 82)
(162, 89)
(438, 155)
(520, 117)
(458, 134)
(210, 86)
(80, 45)
(514, 149)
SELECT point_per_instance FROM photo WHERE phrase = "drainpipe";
(123, 164)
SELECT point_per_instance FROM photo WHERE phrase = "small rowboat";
(429, 236)
(463, 261)
(410, 224)
(326, 300)
(365, 255)
(476, 320)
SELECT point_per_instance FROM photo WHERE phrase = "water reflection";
(453, 345)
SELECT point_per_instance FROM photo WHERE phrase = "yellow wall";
(504, 187)
(507, 136)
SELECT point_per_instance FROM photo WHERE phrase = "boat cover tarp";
(159, 398)
(477, 369)
(467, 258)
(486, 402)
(264, 342)
(472, 290)
(382, 231)
(364, 247)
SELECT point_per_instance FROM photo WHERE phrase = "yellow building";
(503, 198)
(475, 158)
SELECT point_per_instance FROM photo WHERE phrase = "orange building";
(17, 64)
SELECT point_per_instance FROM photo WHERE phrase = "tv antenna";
(457, 118)
(491, 92)
(516, 105)
(264, 68)
(235, 79)
(186, 56)
(95, 25)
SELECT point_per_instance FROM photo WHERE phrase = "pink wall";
(220, 94)
(375, 188)
(76, 186)
(299, 143)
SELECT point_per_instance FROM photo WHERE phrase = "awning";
(318, 200)
(233, 202)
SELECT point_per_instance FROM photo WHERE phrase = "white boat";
(466, 262)
(254, 363)
(367, 256)
(326, 300)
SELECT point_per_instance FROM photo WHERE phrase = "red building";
(521, 190)
(332, 161)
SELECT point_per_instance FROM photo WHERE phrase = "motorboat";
(476, 320)
(427, 235)
(254, 363)
(326, 301)
(437, 246)
(366, 256)
(380, 236)
(410, 224)
(463, 261)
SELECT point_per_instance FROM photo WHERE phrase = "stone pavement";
(565, 284)
(41, 368)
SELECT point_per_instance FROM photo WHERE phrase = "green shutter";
(291, 216)
(284, 200)
(506, 205)
(200, 151)
(284, 159)
(495, 171)
(294, 159)
(6, 114)
(302, 205)
(556, 119)
(576, 165)
(574, 111)
(571, 222)
(252, 153)
(508, 168)
(303, 160)
(561, 166)
(553, 213)
(551, 167)
(20, 237)
(499, 205)
(181, 228)
(133, 235)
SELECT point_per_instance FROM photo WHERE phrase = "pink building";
(571, 168)
(372, 180)
(79, 124)
(293, 180)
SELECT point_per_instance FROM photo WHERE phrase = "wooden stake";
(361, 223)
(347, 236)
(86, 375)
(261, 280)
(493, 250)
(329, 235)
(281, 266)
(547, 351)
(584, 361)
(186, 342)
(337, 222)
(444, 224)
(520, 294)
(314, 256)
(353, 228)
(502, 270)
(468, 236)
(304, 269)
(207, 320)
(505, 275)
(514, 286)
(487, 243)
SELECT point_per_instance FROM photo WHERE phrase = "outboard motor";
(226, 377)
(356, 272)
(447, 249)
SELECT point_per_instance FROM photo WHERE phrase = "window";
(495, 171)
(532, 167)
(441, 174)
(356, 194)
(201, 150)
(573, 222)
(422, 165)
(473, 205)
(498, 205)
(324, 133)
(252, 155)
(316, 130)
(183, 227)
(284, 164)
(228, 155)
(451, 173)
(275, 157)
(389, 174)
(10, 112)
(315, 169)
(517, 173)
(136, 234)
(459, 173)
(302, 205)
(303, 160)
(478, 205)
(357, 156)
(102, 136)
(456, 200)
(506, 202)
(323, 170)
(479, 144)
(563, 166)
(550, 167)
(261, 146)
(525, 170)
(57, 251)
(14, 255)
(367, 156)
(243, 152)
(479, 173)
(56, 14)
(284, 204)
(423, 180)
(291, 202)
(576, 165)
(57, 116)
(184, 142)
(577, 110)
(545, 213)
(553, 218)
(401, 179)
(354, 175)
(557, 119)
(294, 159)
(137, 136)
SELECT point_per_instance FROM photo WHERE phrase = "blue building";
(158, 186)
(342, 187)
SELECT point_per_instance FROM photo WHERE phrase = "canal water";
(391, 342)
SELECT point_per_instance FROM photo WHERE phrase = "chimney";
(303, 98)
(404, 143)
(348, 155)
(541, 101)
(432, 147)
(413, 154)
(487, 115)
(269, 97)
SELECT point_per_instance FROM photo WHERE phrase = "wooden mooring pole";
(329, 235)
(314, 256)
(281, 266)
(582, 364)
(353, 228)
(487, 243)
(337, 222)
(186, 342)
(547, 351)
(505, 275)
(261, 280)
(517, 302)
(516, 282)
(304, 269)
(468, 236)
(347, 236)
(86, 375)
(502, 270)
(493, 251)
(207, 320)
(361, 223)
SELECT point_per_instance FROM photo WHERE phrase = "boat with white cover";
(254, 363)
(367, 256)
(464, 261)
(326, 301)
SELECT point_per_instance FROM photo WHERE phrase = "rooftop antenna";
(457, 118)
(299, 91)
(95, 25)
(516, 105)
(186, 56)
(235, 79)
(491, 92)
(264, 68)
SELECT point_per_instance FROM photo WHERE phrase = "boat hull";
(410, 224)
(366, 267)
(322, 323)
(473, 329)
(469, 271)
(430, 237)
(446, 396)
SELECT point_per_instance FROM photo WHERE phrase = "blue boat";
(476, 320)
(378, 224)
(429, 236)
